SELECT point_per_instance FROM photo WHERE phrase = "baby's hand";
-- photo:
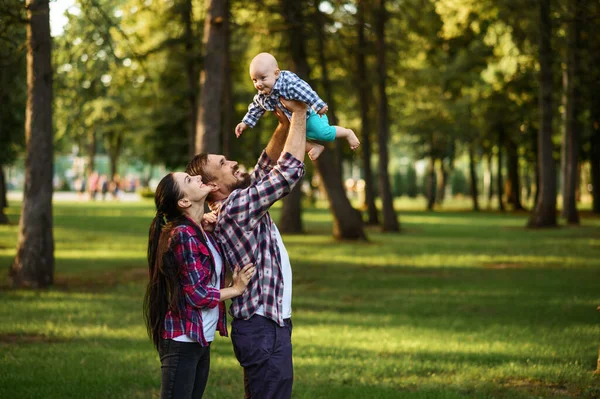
(239, 129)
(209, 220)
(323, 110)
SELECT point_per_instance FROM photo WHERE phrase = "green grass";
(458, 305)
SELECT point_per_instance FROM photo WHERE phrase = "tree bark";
(3, 199)
(594, 51)
(573, 109)
(431, 184)
(544, 214)
(326, 83)
(91, 166)
(473, 173)
(390, 218)
(363, 97)
(514, 197)
(347, 221)
(208, 126)
(499, 180)
(228, 107)
(490, 194)
(442, 182)
(34, 263)
(191, 74)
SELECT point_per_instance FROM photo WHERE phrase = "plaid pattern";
(244, 231)
(288, 86)
(191, 252)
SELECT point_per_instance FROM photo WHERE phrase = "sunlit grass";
(458, 305)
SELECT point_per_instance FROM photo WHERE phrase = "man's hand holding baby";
(323, 110)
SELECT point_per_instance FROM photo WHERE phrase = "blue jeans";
(184, 367)
(264, 350)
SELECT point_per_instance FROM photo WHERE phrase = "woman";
(184, 300)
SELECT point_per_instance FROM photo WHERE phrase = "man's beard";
(241, 184)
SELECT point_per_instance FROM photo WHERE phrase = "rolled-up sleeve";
(247, 206)
(194, 261)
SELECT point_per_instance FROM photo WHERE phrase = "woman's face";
(192, 187)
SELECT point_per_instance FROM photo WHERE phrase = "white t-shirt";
(210, 317)
(286, 269)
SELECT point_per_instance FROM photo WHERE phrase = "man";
(261, 329)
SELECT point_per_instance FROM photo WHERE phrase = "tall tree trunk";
(363, 96)
(544, 214)
(490, 166)
(390, 218)
(114, 152)
(431, 184)
(563, 144)
(3, 199)
(191, 74)
(326, 83)
(594, 51)
(212, 77)
(34, 263)
(473, 174)
(573, 109)
(442, 182)
(228, 107)
(347, 220)
(499, 180)
(291, 213)
(91, 153)
(514, 197)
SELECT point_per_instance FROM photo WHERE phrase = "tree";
(390, 219)
(212, 77)
(34, 263)
(544, 213)
(573, 109)
(363, 95)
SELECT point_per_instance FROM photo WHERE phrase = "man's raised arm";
(279, 137)
(296, 140)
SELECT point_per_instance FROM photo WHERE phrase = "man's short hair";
(197, 166)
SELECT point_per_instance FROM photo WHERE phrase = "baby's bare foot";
(315, 151)
(352, 139)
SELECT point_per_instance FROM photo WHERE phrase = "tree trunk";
(3, 199)
(208, 126)
(490, 195)
(431, 184)
(573, 109)
(499, 180)
(514, 197)
(563, 143)
(442, 182)
(544, 214)
(228, 107)
(91, 166)
(326, 83)
(191, 74)
(363, 96)
(291, 213)
(473, 173)
(348, 222)
(594, 51)
(34, 263)
(390, 219)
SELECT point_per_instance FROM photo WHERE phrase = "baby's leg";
(313, 150)
(348, 135)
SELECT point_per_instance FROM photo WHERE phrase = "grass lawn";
(459, 305)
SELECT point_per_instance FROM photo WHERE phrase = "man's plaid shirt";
(244, 230)
(195, 262)
(288, 86)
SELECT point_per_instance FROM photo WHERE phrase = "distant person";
(261, 330)
(183, 306)
(79, 184)
(116, 186)
(103, 183)
(273, 83)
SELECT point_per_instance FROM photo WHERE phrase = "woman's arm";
(240, 282)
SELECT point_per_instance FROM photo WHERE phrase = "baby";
(272, 83)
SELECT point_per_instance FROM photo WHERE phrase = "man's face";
(263, 76)
(226, 173)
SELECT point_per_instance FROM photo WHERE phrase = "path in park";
(61, 196)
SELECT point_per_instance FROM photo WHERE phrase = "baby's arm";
(255, 112)
(301, 91)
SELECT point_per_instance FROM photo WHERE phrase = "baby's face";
(263, 76)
